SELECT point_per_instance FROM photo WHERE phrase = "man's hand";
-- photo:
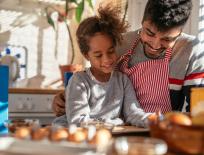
(58, 104)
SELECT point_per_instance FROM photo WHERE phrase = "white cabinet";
(32, 104)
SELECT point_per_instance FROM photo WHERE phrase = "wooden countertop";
(34, 91)
(121, 129)
(128, 129)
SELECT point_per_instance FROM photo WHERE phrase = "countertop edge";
(34, 91)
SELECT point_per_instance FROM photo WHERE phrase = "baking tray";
(129, 129)
(10, 145)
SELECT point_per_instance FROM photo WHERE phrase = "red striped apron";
(150, 80)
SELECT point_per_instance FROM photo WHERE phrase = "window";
(201, 22)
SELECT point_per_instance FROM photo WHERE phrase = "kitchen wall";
(24, 26)
(23, 23)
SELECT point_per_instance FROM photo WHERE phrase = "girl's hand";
(156, 117)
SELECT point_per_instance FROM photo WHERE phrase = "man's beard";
(152, 53)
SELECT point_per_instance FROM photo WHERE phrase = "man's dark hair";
(167, 14)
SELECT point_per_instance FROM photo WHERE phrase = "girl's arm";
(133, 114)
(77, 107)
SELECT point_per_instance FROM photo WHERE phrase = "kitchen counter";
(34, 91)
(130, 131)
(119, 129)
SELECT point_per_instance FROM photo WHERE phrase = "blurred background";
(38, 36)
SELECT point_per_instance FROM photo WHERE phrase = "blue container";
(67, 76)
(4, 76)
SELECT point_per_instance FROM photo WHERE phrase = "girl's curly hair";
(108, 21)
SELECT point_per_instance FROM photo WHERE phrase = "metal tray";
(10, 145)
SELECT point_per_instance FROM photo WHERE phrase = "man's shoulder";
(128, 39)
(187, 38)
(186, 41)
(131, 34)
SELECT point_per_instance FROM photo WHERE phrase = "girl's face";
(102, 54)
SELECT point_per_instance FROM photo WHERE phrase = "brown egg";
(59, 134)
(14, 124)
(179, 118)
(23, 132)
(40, 133)
(102, 137)
(78, 136)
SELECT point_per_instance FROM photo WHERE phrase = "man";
(162, 62)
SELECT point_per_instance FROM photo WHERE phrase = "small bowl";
(179, 138)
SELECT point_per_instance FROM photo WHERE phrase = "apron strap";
(131, 50)
(134, 45)
(168, 54)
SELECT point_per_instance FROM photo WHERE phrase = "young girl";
(99, 92)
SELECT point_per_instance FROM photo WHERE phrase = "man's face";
(154, 41)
